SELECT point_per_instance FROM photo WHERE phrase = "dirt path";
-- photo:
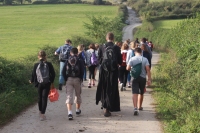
(92, 119)
(134, 22)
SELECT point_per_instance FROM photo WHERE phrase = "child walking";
(43, 75)
(73, 71)
(92, 62)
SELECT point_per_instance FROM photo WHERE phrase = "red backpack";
(123, 59)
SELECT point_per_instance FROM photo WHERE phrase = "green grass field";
(167, 24)
(26, 28)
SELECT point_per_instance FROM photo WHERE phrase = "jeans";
(129, 77)
(61, 78)
(85, 73)
(123, 75)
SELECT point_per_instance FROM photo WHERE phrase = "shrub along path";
(91, 119)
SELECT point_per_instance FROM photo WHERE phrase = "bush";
(99, 26)
(177, 76)
(81, 40)
(164, 9)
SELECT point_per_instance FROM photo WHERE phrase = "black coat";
(107, 89)
(148, 56)
(51, 73)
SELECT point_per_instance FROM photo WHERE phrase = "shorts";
(138, 85)
(71, 85)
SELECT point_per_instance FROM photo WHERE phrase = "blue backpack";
(93, 59)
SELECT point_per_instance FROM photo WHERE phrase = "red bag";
(123, 59)
(53, 95)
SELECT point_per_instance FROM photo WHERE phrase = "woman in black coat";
(43, 87)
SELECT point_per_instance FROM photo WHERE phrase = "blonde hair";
(124, 46)
(80, 48)
(133, 45)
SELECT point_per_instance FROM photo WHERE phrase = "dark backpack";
(64, 53)
(136, 70)
(42, 73)
(73, 67)
(109, 62)
(93, 59)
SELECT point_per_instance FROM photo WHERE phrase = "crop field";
(167, 24)
(26, 28)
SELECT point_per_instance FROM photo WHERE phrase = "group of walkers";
(114, 63)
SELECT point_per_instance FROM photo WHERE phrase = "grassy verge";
(176, 77)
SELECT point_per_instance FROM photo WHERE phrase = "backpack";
(109, 62)
(136, 70)
(93, 59)
(63, 56)
(73, 67)
(123, 59)
(42, 73)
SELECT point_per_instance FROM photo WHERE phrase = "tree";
(8, 2)
(99, 26)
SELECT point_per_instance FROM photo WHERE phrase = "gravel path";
(92, 119)
(134, 22)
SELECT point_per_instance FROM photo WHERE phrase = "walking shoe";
(129, 85)
(70, 116)
(93, 84)
(124, 88)
(121, 86)
(136, 112)
(42, 118)
(107, 113)
(89, 85)
(60, 87)
(141, 108)
(79, 112)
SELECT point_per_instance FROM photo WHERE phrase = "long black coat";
(107, 89)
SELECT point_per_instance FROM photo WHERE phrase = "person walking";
(109, 57)
(92, 62)
(138, 84)
(130, 54)
(144, 41)
(123, 73)
(64, 53)
(97, 49)
(82, 55)
(146, 54)
(43, 76)
(73, 74)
